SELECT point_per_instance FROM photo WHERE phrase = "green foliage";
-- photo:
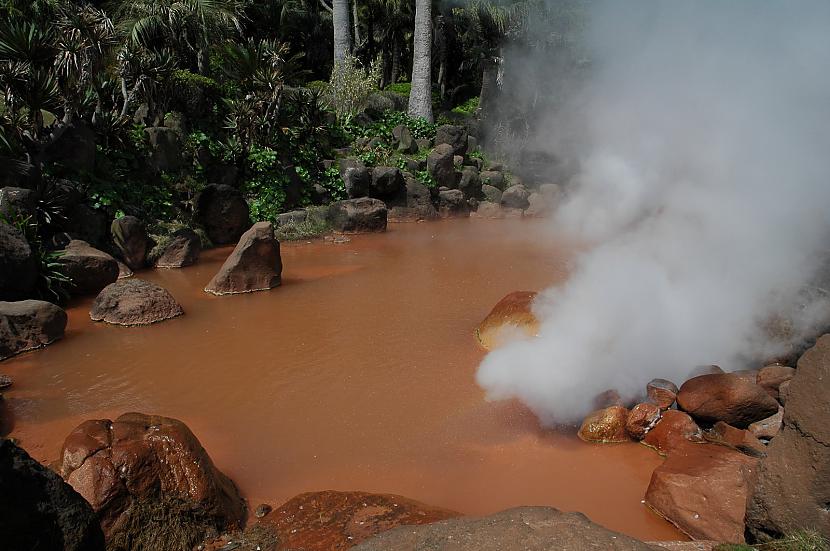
(265, 185)
(350, 87)
(402, 88)
(333, 183)
(317, 85)
(182, 77)
(311, 227)
(469, 107)
(426, 178)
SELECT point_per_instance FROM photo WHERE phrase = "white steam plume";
(703, 141)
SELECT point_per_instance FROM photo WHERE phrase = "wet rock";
(740, 439)
(38, 510)
(512, 316)
(165, 149)
(89, 269)
(661, 392)
(124, 271)
(772, 376)
(254, 265)
(702, 489)
(673, 430)
(728, 397)
(470, 183)
(518, 529)
(451, 204)
(5, 382)
(29, 324)
(18, 267)
(440, 165)
(770, 427)
(357, 179)
(333, 521)
(131, 241)
(491, 193)
(143, 472)
(404, 140)
(608, 398)
(223, 212)
(642, 419)
(360, 215)
(515, 197)
(454, 136)
(387, 183)
(134, 302)
(605, 426)
(262, 510)
(182, 250)
(17, 201)
(492, 178)
(793, 489)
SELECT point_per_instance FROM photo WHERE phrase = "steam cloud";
(702, 136)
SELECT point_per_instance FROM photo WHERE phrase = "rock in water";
(728, 397)
(18, 268)
(642, 418)
(661, 392)
(516, 197)
(89, 269)
(223, 212)
(38, 510)
(254, 265)
(362, 215)
(740, 439)
(519, 529)
(793, 489)
(451, 204)
(330, 521)
(131, 241)
(134, 302)
(182, 250)
(702, 489)
(146, 473)
(605, 426)
(29, 324)
(673, 430)
(511, 316)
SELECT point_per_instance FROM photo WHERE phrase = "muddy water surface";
(357, 374)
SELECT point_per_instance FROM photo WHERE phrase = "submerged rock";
(728, 397)
(134, 302)
(223, 212)
(254, 265)
(518, 529)
(182, 250)
(361, 215)
(331, 521)
(29, 324)
(605, 426)
(89, 269)
(147, 476)
(512, 316)
(38, 510)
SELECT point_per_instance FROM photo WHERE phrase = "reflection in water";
(356, 374)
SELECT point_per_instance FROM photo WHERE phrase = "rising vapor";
(702, 137)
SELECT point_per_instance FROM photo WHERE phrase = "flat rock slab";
(29, 324)
(511, 316)
(134, 302)
(519, 529)
(254, 265)
(332, 521)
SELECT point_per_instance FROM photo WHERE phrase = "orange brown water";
(357, 374)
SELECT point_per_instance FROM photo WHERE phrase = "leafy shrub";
(350, 87)
(426, 178)
(307, 229)
(403, 88)
(264, 185)
(468, 107)
(333, 183)
(317, 85)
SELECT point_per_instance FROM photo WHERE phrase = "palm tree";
(420, 98)
(342, 32)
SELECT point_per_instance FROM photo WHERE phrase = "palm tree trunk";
(420, 99)
(356, 24)
(342, 32)
(489, 85)
(395, 71)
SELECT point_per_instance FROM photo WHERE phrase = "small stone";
(262, 510)
(642, 418)
(770, 427)
(662, 392)
(605, 426)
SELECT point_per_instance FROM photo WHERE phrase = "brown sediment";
(357, 374)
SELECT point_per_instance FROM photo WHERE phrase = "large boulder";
(18, 266)
(729, 397)
(511, 316)
(387, 184)
(493, 178)
(29, 324)
(516, 197)
(330, 521)
(134, 301)
(470, 183)
(674, 430)
(358, 215)
(454, 136)
(254, 265)
(452, 204)
(148, 478)
(357, 179)
(518, 529)
(491, 193)
(440, 165)
(605, 426)
(89, 269)
(131, 241)
(17, 200)
(165, 149)
(223, 212)
(38, 510)
(702, 489)
(419, 198)
(793, 489)
(183, 249)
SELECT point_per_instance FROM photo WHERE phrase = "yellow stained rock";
(512, 316)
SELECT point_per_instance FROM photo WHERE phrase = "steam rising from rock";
(702, 133)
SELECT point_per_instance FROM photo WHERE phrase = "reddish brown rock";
(702, 489)
(661, 392)
(89, 269)
(783, 392)
(605, 426)
(705, 370)
(770, 427)
(519, 529)
(254, 265)
(641, 419)
(131, 241)
(142, 461)
(740, 439)
(510, 316)
(772, 377)
(728, 397)
(674, 429)
(134, 302)
(29, 324)
(607, 399)
(182, 250)
(332, 521)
